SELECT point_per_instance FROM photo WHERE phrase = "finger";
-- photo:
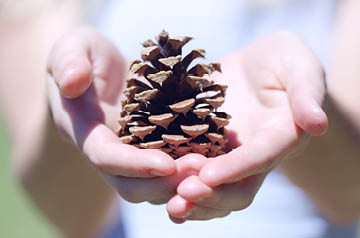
(301, 75)
(259, 155)
(101, 145)
(70, 66)
(180, 208)
(188, 165)
(304, 82)
(306, 92)
(108, 154)
(82, 56)
(77, 76)
(157, 190)
(233, 197)
(136, 190)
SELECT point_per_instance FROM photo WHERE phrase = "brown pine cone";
(170, 107)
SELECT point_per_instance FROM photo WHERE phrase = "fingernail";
(157, 173)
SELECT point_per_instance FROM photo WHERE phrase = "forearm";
(344, 70)
(61, 182)
(57, 178)
(328, 170)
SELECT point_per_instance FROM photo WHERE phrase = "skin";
(288, 102)
(282, 101)
(333, 160)
(46, 167)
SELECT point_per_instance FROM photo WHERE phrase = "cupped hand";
(275, 96)
(86, 77)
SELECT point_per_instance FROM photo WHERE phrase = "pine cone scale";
(170, 107)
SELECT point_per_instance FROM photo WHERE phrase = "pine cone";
(170, 108)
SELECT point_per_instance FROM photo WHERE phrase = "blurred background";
(21, 19)
(27, 31)
(18, 216)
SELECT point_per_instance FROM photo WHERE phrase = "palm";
(268, 105)
(258, 103)
(275, 92)
(275, 88)
(95, 81)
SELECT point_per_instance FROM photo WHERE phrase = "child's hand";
(86, 77)
(276, 90)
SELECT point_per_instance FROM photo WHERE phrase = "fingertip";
(192, 163)
(161, 164)
(193, 189)
(209, 175)
(106, 152)
(75, 81)
(314, 120)
(220, 170)
(178, 207)
(318, 125)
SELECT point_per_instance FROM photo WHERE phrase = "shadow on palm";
(85, 114)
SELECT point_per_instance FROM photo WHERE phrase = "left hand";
(276, 90)
(86, 75)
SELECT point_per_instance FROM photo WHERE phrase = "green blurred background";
(18, 217)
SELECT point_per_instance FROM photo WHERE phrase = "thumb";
(79, 57)
(304, 80)
(70, 66)
(76, 79)
(306, 90)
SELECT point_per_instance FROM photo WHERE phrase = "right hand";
(275, 96)
(86, 78)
